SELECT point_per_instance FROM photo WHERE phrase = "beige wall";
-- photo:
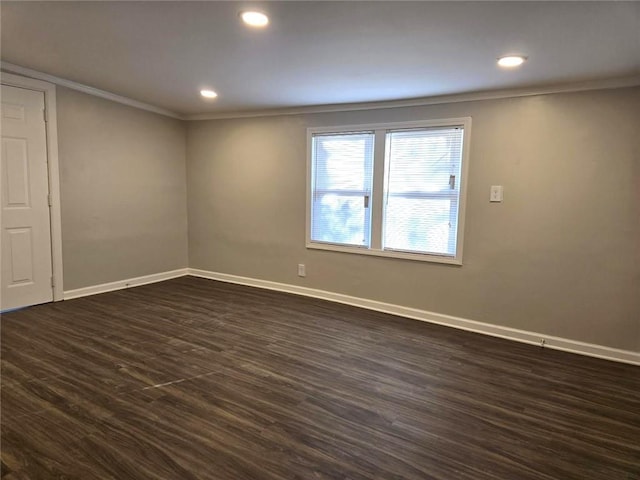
(123, 190)
(560, 256)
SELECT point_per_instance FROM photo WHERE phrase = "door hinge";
(50, 200)
(53, 282)
(45, 115)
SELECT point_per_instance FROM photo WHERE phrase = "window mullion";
(378, 189)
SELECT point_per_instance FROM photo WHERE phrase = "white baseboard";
(127, 283)
(523, 336)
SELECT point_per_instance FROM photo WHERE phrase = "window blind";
(422, 190)
(341, 188)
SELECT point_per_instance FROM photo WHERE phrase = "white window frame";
(376, 200)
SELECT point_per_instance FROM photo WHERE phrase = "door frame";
(51, 127)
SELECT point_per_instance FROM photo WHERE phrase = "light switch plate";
(496, 193)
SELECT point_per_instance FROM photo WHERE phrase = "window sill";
(421, 257)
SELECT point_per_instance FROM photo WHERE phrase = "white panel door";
(26, 233)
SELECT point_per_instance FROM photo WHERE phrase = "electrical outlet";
(302, 271)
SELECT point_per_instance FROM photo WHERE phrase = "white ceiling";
(317, 53)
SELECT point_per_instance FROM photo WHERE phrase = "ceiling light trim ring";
(254, 18)
(511, 61)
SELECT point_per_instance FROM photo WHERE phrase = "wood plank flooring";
(196, 379)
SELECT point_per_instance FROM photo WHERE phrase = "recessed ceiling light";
(511, 61)
(254, 18)
(208, 93)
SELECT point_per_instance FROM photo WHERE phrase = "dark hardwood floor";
(195, 379)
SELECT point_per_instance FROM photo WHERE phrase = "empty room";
(320, 240)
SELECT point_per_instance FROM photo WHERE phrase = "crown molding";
(27, 72)
(620, 82)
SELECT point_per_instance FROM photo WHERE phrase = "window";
(392, 190)
(342, 187)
